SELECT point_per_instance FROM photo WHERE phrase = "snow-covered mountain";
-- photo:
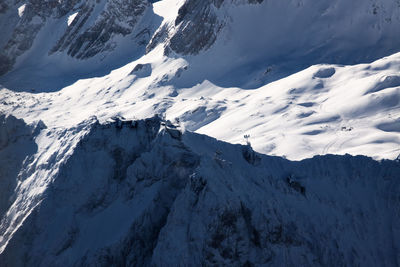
(138, 193)
(105, 111)
(238, 39)
(222, 68)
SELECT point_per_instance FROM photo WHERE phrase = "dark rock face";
(3, 7)
(118, 18)
(16, 148)
(89, 34)
(32, 20)
(197, 26)
(5, 64)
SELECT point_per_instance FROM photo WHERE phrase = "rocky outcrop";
(118, 18)
(324, 32)
(198, 27)
(195, 28)
(89, 33)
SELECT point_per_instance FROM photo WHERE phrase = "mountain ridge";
(193, 176)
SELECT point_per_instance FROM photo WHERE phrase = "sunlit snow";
(322, 109)
(71, 18)
(21, 10)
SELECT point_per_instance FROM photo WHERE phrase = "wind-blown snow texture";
(142, 193)
(86, 179)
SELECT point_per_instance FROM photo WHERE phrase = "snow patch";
(71, 18)
(168, 9)
(21, 10)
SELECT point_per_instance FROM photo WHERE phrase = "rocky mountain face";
(17, 146)
(198, 27)
(85, 29)
(199, 24)
(118, 18)
(90, 29)
(141, 193)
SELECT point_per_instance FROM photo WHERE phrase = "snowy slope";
(315, 110)
(46, 50)
(141, 193)
(240, 39)
(322, 109)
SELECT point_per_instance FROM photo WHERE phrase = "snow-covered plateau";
(190, 132)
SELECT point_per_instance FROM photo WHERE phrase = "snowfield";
(323, 109)
(247, 76)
